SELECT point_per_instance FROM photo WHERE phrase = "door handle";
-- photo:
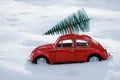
(72, 50)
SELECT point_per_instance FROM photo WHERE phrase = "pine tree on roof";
(77, 22)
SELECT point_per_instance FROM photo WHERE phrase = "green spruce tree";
(77, 22)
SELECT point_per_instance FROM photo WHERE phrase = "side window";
(82, 43)
(65, 43)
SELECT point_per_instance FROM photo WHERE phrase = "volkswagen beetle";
(68, 49)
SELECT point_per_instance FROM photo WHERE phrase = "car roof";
(75, 36)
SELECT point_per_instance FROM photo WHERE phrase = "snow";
(23, 21)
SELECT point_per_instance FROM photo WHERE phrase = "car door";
(82, 50)
(65, 51)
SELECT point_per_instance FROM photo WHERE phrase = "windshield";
(94, 41)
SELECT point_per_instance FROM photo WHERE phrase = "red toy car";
(69, 48)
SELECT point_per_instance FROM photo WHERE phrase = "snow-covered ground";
(23, 21)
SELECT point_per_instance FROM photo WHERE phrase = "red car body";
(70, 48)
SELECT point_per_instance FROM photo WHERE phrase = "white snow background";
(22, 23)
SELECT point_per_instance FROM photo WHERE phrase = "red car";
(69, 48)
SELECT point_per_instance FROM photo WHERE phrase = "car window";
(65, 43)
(82, 43)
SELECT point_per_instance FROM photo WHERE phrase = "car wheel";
(94, 58)
(42, 60)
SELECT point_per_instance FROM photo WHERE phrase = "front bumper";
(30, 57)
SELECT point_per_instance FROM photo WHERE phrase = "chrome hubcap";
(94, 58)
